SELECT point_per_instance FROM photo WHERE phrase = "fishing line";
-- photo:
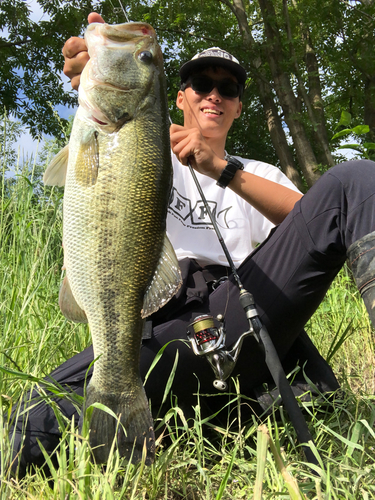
(124, 11)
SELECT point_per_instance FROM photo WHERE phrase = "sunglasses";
(203, 84)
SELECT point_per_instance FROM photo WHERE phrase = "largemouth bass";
(120, 266)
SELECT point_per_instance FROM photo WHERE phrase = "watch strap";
(229, 171)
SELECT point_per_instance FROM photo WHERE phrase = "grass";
(260, 460)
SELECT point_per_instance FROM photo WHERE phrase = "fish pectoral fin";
(165, 283)
(55, 173)
(87, 163)
(68, 304)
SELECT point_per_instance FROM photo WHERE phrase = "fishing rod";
(206, 340)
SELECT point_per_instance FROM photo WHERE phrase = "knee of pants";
(355, 173)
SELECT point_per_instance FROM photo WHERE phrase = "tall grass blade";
(262, 446)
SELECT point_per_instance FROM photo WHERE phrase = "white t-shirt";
(242, 227)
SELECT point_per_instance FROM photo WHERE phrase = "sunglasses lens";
(204, 84)
(228, 88)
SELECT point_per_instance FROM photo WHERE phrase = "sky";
(26, 145)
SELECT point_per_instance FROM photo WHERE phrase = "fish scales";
(116, 223)
(117, 258)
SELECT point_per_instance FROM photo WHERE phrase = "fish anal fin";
(165, 283)
(68, 304)
(87, 162)
(55, 173)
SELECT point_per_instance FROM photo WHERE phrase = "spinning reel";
(207, 340)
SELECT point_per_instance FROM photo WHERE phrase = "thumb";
(94, 17)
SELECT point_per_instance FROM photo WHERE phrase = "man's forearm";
(271, 199)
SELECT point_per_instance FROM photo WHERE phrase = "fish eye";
(145, 57)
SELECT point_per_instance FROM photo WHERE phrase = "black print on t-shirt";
(196, 215)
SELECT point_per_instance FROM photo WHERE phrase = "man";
(288, 273)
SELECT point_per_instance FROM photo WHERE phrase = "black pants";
(288, 274)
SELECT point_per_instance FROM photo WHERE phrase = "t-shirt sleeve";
(268, 172)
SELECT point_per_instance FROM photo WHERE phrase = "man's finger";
(73, 46)
(94, 17)
(74, 66)
(75, 81)
(175, 128)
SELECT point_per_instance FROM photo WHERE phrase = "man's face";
(211, 113)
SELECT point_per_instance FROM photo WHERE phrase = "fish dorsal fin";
(87, 162)
(55, 173)
(165, 283)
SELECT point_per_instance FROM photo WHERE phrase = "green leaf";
(356, 434)
(361, 129)
(339, 339)
(170, 378)
(346, 131)
(345, 119)
(159, 355)
(262, 446)
(227, 474)
(357, 147)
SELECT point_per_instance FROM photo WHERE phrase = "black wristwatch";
(229, 171)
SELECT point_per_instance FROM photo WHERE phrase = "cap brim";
(203, 62)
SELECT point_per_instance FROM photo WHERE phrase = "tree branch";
(359, 10)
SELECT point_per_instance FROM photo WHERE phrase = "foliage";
(10, 131)
(306, 60)
(31, 60)
(365, 149)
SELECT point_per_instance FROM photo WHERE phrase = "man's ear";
(180, 100)
(239, 109)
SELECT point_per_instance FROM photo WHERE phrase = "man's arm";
(271, 199)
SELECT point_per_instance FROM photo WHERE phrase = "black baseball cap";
(214, 56)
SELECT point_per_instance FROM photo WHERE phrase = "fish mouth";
(121, 42)
(107, 92)
(125, 32)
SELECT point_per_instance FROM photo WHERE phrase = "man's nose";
(214, 95)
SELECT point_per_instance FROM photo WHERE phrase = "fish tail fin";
(132, 430)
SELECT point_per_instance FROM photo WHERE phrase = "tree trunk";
(274, 123)
(369, 112)
(285, 94)
(313, 100)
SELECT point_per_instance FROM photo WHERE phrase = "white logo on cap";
(216, 52)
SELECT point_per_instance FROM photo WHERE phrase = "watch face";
(234, 161)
